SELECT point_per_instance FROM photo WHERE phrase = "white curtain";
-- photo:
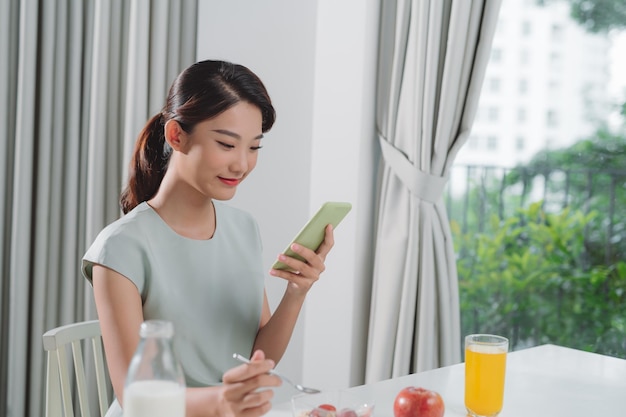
(77, 81)
(432, 60)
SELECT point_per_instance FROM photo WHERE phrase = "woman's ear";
(174, 135)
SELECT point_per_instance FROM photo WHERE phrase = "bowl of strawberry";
(330, 404)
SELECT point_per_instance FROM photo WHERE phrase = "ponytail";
(147, 166)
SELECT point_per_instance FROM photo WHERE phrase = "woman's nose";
(240, 162)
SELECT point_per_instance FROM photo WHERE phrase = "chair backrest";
(59, 384)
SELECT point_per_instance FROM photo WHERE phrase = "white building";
(546, 85)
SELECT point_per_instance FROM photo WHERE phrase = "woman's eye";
(255, 148)
(226, 145)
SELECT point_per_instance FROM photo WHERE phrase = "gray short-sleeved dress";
(212, 290)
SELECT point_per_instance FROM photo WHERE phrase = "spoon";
(273, 372)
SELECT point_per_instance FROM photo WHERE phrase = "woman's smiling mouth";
(230, 181)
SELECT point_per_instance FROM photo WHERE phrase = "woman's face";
(220, 152)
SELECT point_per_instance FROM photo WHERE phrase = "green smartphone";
(312, 234)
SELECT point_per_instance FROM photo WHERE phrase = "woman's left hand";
(305, 273)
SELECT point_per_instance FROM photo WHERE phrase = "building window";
(556, 32)
(523, 86)
(520, 143)
(493, 114)
(521, 115)
(555, 60)
(494, 85)
(552, 119)
(492, 143)
(526, 28)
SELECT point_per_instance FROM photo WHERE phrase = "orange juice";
(484, 378)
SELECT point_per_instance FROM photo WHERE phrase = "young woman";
(180, 254)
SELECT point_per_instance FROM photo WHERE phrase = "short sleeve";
(117, 249)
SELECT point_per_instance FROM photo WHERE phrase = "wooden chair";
(60, 387)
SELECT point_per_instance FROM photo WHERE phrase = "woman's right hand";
(241, 395)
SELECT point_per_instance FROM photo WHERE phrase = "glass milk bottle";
(155, 384)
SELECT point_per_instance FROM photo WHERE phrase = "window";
(552, 119)
(555, 61)
(494, 85)
(546, 190)
(493, 114)
(556, 32)
(522, 86)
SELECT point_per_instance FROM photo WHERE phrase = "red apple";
(418, 402)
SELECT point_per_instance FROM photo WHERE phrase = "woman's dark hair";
(201, 92)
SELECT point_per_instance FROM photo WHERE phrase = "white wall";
(317, 59)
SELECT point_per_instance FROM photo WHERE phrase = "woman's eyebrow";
(233, 134)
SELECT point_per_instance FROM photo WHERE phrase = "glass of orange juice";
(485, 365)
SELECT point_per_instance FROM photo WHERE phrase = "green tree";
(526, 281)
(597, 15)
(589, 176)
(550, 271)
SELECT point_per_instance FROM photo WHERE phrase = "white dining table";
(542, 381)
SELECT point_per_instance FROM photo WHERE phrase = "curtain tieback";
(425, 186)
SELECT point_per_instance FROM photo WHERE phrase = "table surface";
(546, 380)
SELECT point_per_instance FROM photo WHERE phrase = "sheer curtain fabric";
(432, 60)
(77, 81)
